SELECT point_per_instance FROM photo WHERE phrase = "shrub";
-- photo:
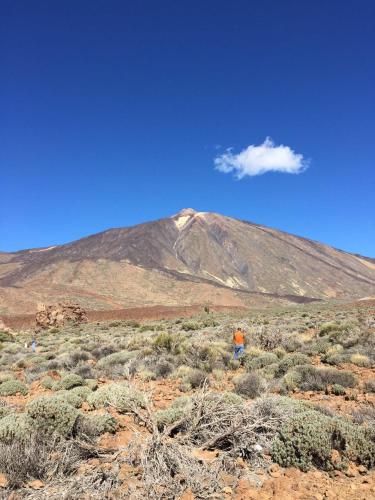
(15, 426)
(234, 364)
(12, 387)
(370, 385)
(84, 371)
(173, 413)
(318, 346)
(68, 382)
(5, 376)
(95, 425)
(190, 326)
(360, 360)
(91, 383)
(196, 378)
(308, 438)
(47, 382)
(209, 322)
(280, 352)
(292, 379)
(78, 356)
(147, 375)
(261, 361)
(100, 352)
(251, 385)
(164, 341)
(5, 409)
(163, 368)
(75, 396)
(116, 358)
(22, 461)
(123, 397)
(328, 328)
(5, 336)
(338, 390)
(336, 359)
(317, 379)
(291, 360)
(52, 414)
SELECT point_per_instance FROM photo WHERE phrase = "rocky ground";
(189, 360)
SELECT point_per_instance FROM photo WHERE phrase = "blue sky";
(113, 112)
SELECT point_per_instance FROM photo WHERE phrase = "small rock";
(3, 481)
(352, 471)
(362, 469)
(36, 484)
(227, 490)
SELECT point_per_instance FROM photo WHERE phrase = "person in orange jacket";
(239, 343)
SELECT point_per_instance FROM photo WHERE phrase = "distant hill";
(189, 258)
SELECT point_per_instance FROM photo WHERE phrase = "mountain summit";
(190, 258)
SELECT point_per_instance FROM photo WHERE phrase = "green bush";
(190, 326)
(290, 360)
(116, 358)
(12, 387)
(123, 397)
(360, 360)
(308, 438)
(68, 382)
(95, 425)
(336, 359)
(52, 414)
(5, 336)
(75, 396)
(173, 413)
(317, 379)
(47, 382)
(91, 383)
(255, 363)
(15, 426)
(338, 390)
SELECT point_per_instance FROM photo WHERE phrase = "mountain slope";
(200, 256)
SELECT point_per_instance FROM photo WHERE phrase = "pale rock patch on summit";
(182, 219)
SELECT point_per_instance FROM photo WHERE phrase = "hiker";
(33, 345)
(239, 343)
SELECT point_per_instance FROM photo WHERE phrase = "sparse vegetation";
(106, 378)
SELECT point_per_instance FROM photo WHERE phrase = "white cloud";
(257, 160)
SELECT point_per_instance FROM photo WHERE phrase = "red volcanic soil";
(136, 313)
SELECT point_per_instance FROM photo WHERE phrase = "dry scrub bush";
(360, 360)
(310, 378)
(41, 458)
(370, 385)
(168, 470)
(226, 422)
(251, 385)
(21, 461)
(267, 338)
